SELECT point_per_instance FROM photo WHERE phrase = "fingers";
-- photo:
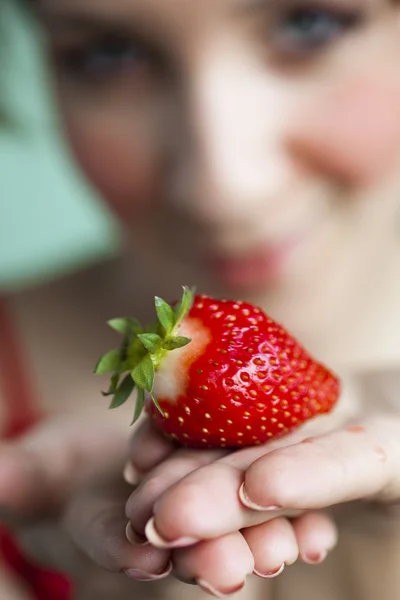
(219, 566)
(179, 464)
(355, 463)
(281, 542)
(39, 471)
(273, 545)
(147, 448)
(139, 508)
(203, 505)
(97, 523)
(316, 536)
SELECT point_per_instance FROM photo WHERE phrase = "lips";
(255, 268)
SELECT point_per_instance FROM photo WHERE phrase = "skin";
(184, 150)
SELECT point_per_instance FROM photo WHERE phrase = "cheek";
(116, 163)
(355, 134)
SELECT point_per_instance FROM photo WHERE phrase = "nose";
(237, 163)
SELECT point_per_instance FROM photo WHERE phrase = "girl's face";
(251, 145)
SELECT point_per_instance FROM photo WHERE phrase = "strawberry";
(218, 373)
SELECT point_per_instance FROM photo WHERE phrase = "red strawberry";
(218, 373)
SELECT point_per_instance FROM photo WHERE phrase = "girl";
(253, 148)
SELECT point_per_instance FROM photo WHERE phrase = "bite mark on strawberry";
(171, 377)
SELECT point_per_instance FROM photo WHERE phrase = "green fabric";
(50, 222)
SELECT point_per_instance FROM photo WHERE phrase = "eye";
(304, 30)
(103, 59)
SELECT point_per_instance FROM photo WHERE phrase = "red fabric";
(21, 413)
(21, 408)
(44, 585)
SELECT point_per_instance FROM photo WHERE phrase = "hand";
(61, 486)
(256, 486)
(218, 563)
(97, 521)
(41, 471)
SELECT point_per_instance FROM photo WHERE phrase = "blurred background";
(50, 221)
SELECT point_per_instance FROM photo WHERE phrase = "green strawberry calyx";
(133, 365)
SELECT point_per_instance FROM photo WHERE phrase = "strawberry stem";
(141, 352)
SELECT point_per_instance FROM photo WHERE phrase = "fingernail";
(244, 499)
(315, 559)
(131, 475)
(207, 587)
(134, 538)
(156, 540)
(139, 575)
(270, 574)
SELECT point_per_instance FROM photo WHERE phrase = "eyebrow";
(80, 22)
